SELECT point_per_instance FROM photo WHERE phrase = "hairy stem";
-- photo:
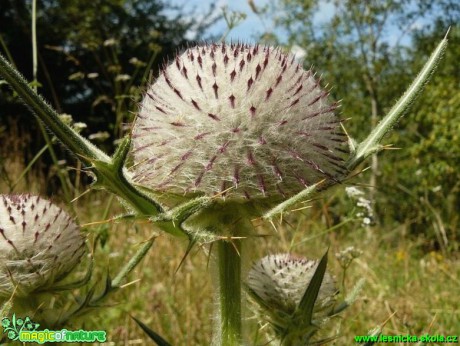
(109, 171)
(72, 140)
(371, 144)
(229, 266)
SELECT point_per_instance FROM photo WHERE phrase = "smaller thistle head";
(244, 121)
(39, 244)
(281, 281)
(278, 283)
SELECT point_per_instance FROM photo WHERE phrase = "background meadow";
(94, 61)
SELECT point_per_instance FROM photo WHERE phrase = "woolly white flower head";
(39, 244)
(281, 281)
(278, 284)
(247, 117)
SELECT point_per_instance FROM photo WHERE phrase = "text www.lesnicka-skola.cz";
(447, 339)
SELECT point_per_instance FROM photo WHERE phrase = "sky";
(246, 31)
(250, 28)
(253, 25)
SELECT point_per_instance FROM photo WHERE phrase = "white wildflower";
(92, 75)
(122, 77)
(353, 191)
(346, 256)
(365, 211)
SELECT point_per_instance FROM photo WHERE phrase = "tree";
(429, 176)
(93, 52)
(94, 57)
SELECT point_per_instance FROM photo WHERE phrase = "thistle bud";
(39, 244)
(278, 284)
(244, 119)
(281, 280)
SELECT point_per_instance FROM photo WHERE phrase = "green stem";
(229, 266)
(64, 183)
(232, 220)
(34, 41)
(371, 144)
(109, 171)
(74, 142)
(6, 50)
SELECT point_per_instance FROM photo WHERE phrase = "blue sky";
(249, 29)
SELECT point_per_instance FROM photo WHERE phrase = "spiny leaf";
(307, 303)
(154, 336)
(190, 246)
(370, 144)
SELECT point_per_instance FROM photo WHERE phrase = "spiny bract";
(39, 244)
(249, 118)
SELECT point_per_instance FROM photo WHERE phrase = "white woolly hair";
(236, 116)
(39, 244)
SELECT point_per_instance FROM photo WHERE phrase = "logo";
(25, 330)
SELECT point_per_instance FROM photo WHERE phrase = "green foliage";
(94, 55)
(94, 59)
(429, 165)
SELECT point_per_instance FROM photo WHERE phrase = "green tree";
(85, 46)
(429, 168)
(94, 57)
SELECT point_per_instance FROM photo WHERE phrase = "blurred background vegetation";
(94, 60)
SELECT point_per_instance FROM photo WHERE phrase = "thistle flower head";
(280, 285)
(236, 116)
(39, 244)
(281, 281)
